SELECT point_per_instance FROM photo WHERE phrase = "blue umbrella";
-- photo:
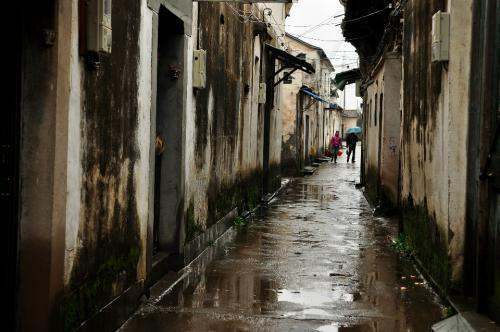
(354, 130)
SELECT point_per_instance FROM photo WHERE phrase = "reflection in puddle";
(310, 313)
(337, 328)
(314, 299)
(321, 264)
(305, 298)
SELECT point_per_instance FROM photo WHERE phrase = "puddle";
(305, 298)
(318, 265)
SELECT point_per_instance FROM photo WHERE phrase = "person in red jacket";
(335, 145)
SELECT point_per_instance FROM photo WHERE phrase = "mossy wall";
(107, 251)
(428, 243)
(371, 185)
(225, 129)
(245, 194)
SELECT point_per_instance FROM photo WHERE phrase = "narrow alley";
(166, 165)
(315, 260)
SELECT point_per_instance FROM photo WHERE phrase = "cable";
(363, 17)
(253, 18)
(316, 26)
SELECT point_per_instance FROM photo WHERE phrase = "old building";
(137, 129)
(350, 119)
(310, 114)
(382, 127)
(428, 96)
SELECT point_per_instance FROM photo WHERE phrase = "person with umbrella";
(352, 141)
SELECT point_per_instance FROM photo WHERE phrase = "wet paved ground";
(316, 260)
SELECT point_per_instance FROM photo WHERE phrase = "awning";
(334, 106)
(315, 96)
(347, 77)
(290, 61)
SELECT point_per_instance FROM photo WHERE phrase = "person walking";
(335, 145)
(352, 141)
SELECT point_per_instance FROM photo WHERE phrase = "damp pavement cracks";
(315, 260)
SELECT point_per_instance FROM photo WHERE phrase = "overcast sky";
(314, 21)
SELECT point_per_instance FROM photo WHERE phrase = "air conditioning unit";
(440, 37)
(99, 32)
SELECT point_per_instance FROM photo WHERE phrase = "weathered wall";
(40, 272)
(88, 125)
(391, 127)
(347, 123)
(383, 131)
(109, 157)
(372, 133)
(225, 124)
(434, 124)
(322, 123)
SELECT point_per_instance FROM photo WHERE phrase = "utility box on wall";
(199, 69)
(440, 37)
(99, 32)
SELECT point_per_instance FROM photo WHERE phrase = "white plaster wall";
(197, 179)
(143, 138)
(386, 132)
(391, 122)
(74, 168)
(437, 174)
(348, 123)
(372, 131)
(459, 80)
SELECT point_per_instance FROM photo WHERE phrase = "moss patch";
(422, 235)
(112, 276)
(402, 246)
(192, 227)
(371, 190)
(244, 194)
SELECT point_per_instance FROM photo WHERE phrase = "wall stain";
(109, 246)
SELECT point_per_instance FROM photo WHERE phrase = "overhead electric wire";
(363, 17)
(316, 26)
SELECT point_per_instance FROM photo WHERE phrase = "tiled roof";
(350, 114)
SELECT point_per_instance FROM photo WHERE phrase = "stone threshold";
(467, 319)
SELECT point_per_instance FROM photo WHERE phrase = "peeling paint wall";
(433, 136)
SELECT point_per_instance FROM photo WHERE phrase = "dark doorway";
(169, 133)
(9, 165)
(482, 263)
(380, 141)
(324, 132)
(491, 113)
(269, 65)
(306, 145)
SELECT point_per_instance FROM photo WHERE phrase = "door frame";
(155, 6)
